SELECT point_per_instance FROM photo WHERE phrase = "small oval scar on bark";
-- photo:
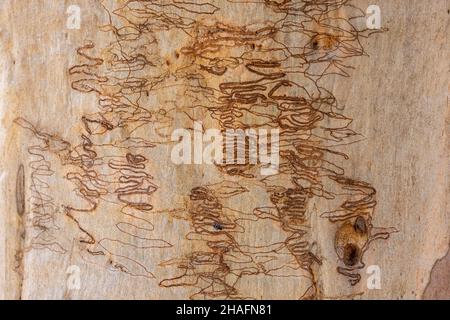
(360, 225)
(20, 190)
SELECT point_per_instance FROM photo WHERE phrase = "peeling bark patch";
(438, 288)
(20, 190)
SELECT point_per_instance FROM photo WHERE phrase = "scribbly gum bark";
(88, 180)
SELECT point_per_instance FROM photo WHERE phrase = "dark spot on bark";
(351, 254)
(315, 45)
